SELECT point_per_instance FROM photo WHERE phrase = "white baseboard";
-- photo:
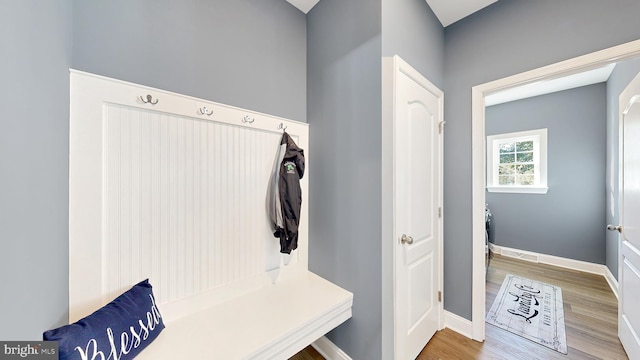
(458, 324)
(611, 280)
(571, 264)
(329, 350)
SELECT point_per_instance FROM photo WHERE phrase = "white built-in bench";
(172, 188)
(274, 322)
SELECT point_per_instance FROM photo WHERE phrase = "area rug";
(530, 309)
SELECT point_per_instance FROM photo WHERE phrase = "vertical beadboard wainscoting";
(172, 188)
(185, 201)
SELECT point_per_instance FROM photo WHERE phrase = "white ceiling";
(304, 5)
(550, 86)
(450, 11)
(447, 11)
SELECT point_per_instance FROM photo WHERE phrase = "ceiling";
(447, 11)
(542, 87)
(450, 11)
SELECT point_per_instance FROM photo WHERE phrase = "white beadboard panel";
(167, 193)
(188, 194)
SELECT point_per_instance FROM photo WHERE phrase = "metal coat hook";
(149, 100)
(205, 111)
(248, 119)
(282, 127)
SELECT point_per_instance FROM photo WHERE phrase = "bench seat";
(274, 322)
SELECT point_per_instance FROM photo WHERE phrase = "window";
(517, 162)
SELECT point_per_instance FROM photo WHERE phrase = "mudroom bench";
(273, 322)
(172, 189)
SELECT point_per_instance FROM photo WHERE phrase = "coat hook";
(205, 111)
(282, 127)
(149, 100)
(248, 119)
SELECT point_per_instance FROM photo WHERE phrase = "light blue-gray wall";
(411, 30)
(246, 53)
(569, 220)
(623, 73)
(35, 38)
(346, 40)
(503, 39)
(344, 113)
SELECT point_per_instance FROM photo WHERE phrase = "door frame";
(478, 147)
(391, 66)
(628, 97)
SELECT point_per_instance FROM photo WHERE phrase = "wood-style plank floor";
(590, 311)
(591, 321)
(308, 353)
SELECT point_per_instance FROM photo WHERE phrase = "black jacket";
(284, 196)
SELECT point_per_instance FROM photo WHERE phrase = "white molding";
(518, 189)
(391, 67)
(478, 93)
(612, 281)
(458, 324)
(329, 350)
(558, 261)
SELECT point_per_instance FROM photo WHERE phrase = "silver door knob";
(614, 228)
(406, 239)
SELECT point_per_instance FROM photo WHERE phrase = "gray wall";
(623, 73)
(568, 221)
(246, 53)
(503, 39)
(344, 112)
(346, 40)
(35, 38)
(411, 30)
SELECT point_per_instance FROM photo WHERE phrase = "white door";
(629, 261)
(417, 216)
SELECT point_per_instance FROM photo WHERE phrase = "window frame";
(539, 138)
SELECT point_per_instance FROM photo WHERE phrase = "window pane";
(507, 147)
(525, 146)
(525, 180)
(507, 170)
(525, 169)
(506, 180)
(507, 158)
(525, 157)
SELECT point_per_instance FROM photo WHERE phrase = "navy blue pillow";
(119, 330)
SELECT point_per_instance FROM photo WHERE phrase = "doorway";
(479, 93)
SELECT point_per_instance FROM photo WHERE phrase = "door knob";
(614, 228)
(406, 239)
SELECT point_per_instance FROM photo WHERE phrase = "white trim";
(518, 189)
(558, 261)
(612, 281)
(390, 67)
(478, 93)
(329, 350)
(539, 138)
(458, 324)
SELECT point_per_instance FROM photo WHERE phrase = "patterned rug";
(530, 309)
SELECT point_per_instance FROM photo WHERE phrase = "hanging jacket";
(284, 197)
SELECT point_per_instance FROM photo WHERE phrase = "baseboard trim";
(611, 280)
(329, 350)
(571, 264)
(458, 324)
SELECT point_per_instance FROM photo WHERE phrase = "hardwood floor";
(308, 353)
(590, 310)
(591, 321)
